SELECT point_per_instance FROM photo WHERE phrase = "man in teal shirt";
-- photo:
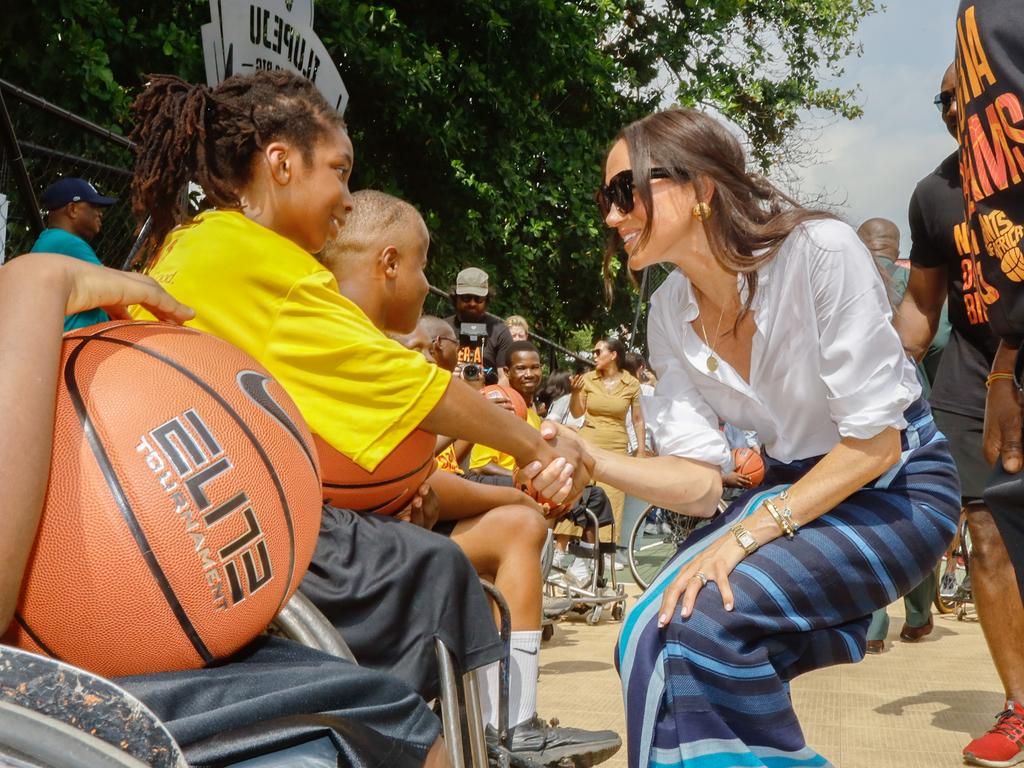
(74, 217)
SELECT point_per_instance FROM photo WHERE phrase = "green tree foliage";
(492, 116)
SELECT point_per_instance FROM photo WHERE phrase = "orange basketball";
(749, 463)
(182, 509)
(497, 392)
(389, 488)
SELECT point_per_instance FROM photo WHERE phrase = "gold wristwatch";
(745, 539)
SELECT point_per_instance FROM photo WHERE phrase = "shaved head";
(435, 327)
(375, 221)
(882, 238)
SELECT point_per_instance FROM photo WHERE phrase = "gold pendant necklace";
(712, 361)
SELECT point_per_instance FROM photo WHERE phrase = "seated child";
(274, 693)
(378, 260)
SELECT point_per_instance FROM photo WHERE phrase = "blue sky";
(868, 167)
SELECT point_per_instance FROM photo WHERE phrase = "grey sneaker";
(550, 744)
(556, 606)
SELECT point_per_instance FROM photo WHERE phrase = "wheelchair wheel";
(655, 537)
(952, 571)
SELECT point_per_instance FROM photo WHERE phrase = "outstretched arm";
(36, 292)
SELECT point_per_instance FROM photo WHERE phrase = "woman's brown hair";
(187, 132)
(750, 217)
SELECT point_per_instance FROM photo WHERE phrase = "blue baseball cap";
(65, 191)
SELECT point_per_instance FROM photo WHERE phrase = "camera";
(472, 371)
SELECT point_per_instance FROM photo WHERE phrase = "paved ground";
(914, 706)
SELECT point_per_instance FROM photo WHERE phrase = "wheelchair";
(54, 715)
(601, 593)
(655, 538)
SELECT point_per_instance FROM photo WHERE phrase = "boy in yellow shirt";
(376, 259)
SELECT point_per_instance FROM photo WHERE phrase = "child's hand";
(736, 480)
(90, 286)
(424, 508)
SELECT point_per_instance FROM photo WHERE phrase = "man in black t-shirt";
(990, 128)
(484, 339)
(944, 269)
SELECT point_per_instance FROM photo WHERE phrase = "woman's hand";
(562, 480)
(90, 286)
(715, 564)
(577, 382)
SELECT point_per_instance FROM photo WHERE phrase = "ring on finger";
(702, 577)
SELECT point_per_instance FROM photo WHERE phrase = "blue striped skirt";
(712, 691)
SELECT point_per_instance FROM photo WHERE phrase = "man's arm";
(917, 317)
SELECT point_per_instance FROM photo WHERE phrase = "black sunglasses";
(943, 100)
(619, 191)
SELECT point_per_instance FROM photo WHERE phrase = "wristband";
(999, 376)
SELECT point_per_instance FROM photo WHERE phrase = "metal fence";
(42, 143)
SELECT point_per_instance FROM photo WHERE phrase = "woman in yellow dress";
(605, 397)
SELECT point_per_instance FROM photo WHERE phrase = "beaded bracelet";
(999, 376)
(787, 513)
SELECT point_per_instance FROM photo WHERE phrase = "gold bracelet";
(999, 376)
(774, 512)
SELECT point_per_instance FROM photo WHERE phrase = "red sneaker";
(1002, 746)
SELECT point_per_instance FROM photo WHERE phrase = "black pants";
(274, 694)
(390, 588)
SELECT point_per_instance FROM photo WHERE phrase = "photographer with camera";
(483, 338)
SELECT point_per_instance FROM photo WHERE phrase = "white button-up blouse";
(826, 362)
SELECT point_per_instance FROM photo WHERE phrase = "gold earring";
(702, 211)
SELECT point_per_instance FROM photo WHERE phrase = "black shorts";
(503, 480)
(965, 437)
(596, 500)
(390, 588)
(275, 694)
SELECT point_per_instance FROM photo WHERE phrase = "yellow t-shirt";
(360, 391)
(482, 455)
(448, 462)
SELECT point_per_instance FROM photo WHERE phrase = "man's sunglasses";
(470, 298)
(619, 191)
(943, 100)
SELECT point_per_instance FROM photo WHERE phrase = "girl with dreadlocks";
(275, 161)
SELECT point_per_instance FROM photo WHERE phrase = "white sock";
(525, 659)
(487, 684)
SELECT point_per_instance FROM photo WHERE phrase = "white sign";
(244, 36)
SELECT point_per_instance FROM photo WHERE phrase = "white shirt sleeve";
(682, 422)
(869, 380)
